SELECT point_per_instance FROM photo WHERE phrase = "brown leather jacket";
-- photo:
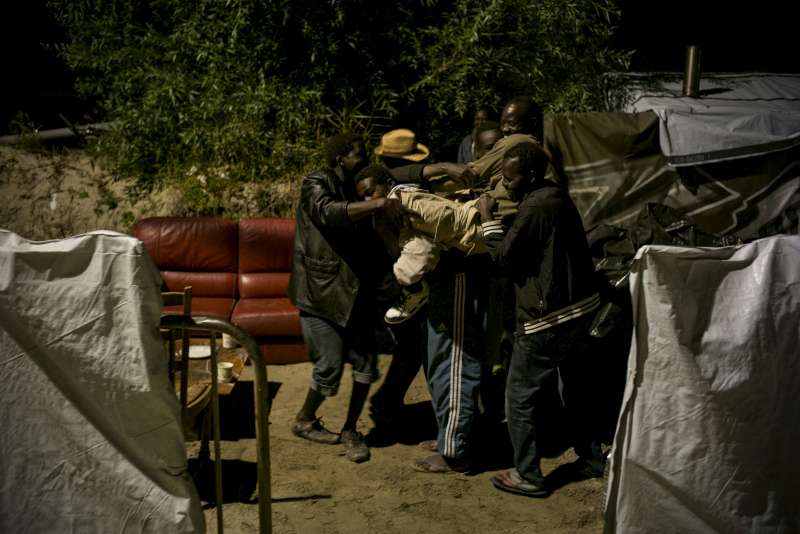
(330, 251)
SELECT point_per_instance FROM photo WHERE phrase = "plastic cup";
(224, 371)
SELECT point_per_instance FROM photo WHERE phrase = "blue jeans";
(535, 363)
(330, 346)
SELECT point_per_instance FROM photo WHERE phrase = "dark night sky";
(752, 37)
(732, 39)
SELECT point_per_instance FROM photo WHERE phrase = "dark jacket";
(329, 250)
(546, 255)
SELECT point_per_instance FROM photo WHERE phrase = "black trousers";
(536, 361)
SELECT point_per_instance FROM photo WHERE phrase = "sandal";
(314, 431)
(439, 464)
(512, 482)
(429, 445)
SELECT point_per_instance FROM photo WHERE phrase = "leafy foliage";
(249, 88)
(488, 52)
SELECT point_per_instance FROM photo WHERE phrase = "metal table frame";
(213, 326)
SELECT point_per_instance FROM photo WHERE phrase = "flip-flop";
(511, 482)
(437, 464)
(429, 445)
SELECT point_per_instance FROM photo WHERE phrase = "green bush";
(248, 89)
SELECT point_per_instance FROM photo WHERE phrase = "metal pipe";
(216, 426)
(691, 75)
(56, 133)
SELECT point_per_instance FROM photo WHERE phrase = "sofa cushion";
(201, 252)
(267, 317)
(263, 285)
(266, 248)
(193, 244)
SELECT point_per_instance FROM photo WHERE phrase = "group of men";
(423, 238)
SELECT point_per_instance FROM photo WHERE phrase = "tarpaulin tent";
(709, 423)
(91, 438)
(731, 163)
(708, 433)
(733, 116)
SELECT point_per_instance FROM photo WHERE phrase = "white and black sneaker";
(412, 302)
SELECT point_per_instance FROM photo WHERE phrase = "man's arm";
(328, 209)
(359, 210)
(452, 170)
(527, 232)
(324, 207)
(445, 177)
(411, 173)
(441, 173)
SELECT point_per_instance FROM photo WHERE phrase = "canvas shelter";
(729, 160)
(91, 440)
(707, 435)
(709, 420)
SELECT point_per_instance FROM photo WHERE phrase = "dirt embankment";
(52, 194)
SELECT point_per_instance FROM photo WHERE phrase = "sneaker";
(355, 447)
(512, 482)
(314, 431)
(411, 304)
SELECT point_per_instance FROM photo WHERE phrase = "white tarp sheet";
(709, 432)
(91, 438)
(735, 116)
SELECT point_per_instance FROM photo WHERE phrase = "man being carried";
(520, 122)
(438, 224)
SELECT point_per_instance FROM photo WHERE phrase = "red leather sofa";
(239, 271)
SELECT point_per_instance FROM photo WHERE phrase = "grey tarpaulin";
(734, 115)
(708, 437)
(91, 439)
(613, 166)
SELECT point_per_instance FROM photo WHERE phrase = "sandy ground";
(317, 490)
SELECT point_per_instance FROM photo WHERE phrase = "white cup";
(224, 371)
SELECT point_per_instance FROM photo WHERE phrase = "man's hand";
(468, 178)
(486, 206)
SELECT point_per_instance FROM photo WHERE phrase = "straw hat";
(402, 143)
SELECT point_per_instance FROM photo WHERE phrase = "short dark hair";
(527, 102)
(486, 126)
(379, 173)
(339, 145)
(533, 114)
(532, 159)
(490, 111)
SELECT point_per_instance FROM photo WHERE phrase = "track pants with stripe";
(456, 318)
